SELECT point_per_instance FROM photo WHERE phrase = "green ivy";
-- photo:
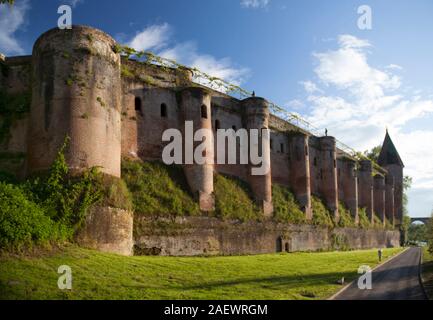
(158, 190)
(65, 198)
(364, 221)
(321, 214)
(233, 200)
(286, 208)
(12, 107)
(346, 219)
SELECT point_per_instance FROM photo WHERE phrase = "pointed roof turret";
(389, 154)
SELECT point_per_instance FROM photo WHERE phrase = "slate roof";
(389, 154)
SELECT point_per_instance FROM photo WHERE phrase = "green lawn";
(106, 276)
(427, 272)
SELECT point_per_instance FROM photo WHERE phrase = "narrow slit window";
(217, 125)
(138, 104)
(204, 112)
(163, 110)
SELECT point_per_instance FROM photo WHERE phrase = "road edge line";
(376, 267)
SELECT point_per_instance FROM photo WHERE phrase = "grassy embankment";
(427, 272)
(105, 276)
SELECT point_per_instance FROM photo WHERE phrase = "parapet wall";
(112, 107)
(195, 236)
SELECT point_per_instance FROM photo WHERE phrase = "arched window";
(204, 112)
(217, 125)
(282, 147)
(163, 110)
(138, 104)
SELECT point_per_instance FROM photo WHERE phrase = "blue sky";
(307, 55)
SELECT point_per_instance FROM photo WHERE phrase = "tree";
(417, 233)
(430, 233)
(7, 1)
(373, 154)
(407, 184)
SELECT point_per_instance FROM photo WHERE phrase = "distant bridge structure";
(423, 220)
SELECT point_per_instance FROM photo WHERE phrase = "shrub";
(23, 222)
(233, 200)
(321, 214)
(364, 222)
(346, 219)
(339, 242)
(157, 189)
(378, 224)
(65, 198)
(388, 224)
(53, 205)
(286, 208)
(7, 177)
(430, 234)
(115, 192)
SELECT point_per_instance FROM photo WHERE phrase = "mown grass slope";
(106, 276)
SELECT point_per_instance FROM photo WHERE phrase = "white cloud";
(357, 101)
(295, 104)
(151, 38)
(310, 86)
(12, 18)
(348, 41)
(158, 38)
(393, 66)
(347, 68)
(187, 54)
(255, 3)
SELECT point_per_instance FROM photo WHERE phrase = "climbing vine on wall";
(12, 107)
(202, 78)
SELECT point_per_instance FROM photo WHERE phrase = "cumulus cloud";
(158, 38)
(12, 18)
(255, 3)
(187, 53)
(393, 66)
(151, 38)
(310, 86)
(356, 101)
(295, 104)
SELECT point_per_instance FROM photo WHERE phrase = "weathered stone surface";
(108, 230)
(208, 236)
(111, 107)
(76, 93)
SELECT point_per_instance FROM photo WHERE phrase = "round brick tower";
(329, 186)
(300, 171)
(365, 176)
(256, 116)
(379, 196)
(76, 93)
(196, 110)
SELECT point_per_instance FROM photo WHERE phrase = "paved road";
(395, 280)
